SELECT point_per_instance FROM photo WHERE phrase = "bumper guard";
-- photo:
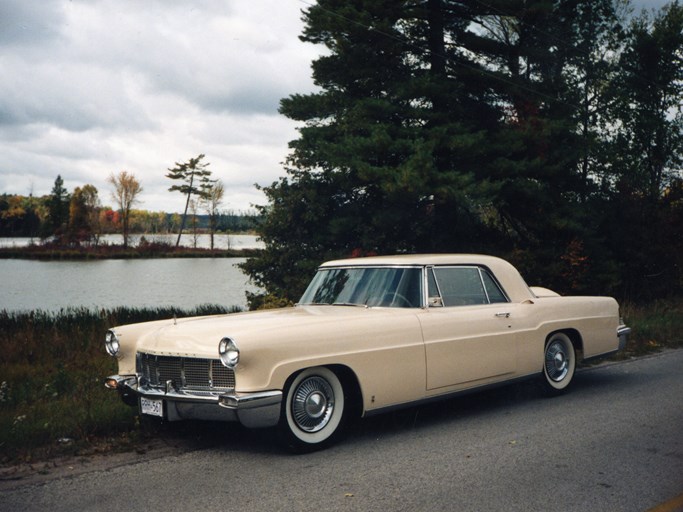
(623, 334)
(253, 410)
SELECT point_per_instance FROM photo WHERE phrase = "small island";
(76, 226)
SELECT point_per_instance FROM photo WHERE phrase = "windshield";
(361, 286)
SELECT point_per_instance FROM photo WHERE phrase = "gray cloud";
(29, 23)
(91, 87)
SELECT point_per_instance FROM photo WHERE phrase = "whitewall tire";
(313, 411)
(559, 363)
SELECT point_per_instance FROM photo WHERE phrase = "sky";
(94, 87)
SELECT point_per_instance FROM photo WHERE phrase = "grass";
(52, 365)
(655, 326)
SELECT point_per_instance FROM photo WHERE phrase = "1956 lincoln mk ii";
(368, 335)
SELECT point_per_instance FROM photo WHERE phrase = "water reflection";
(187, 240)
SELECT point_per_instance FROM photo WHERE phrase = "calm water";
(181, 282)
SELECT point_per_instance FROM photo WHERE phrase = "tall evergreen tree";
(648, 103)
(648, 154)
(547, 68)
(194, 177)
(386, 157)
(58, 208)
(449, 125)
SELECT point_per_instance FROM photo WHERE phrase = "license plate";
(152, 407)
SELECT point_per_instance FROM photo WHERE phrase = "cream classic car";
(368, 335)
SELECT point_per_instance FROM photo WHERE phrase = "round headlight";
(228, 352)
(111, 343)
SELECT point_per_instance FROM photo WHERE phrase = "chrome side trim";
(449, 395)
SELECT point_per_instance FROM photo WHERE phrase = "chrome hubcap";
(313, 404)
(556, 361)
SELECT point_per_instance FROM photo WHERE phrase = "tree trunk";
(187, 204)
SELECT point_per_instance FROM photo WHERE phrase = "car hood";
(199, 336)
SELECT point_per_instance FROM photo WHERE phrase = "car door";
(467, 328)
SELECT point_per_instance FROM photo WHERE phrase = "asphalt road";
(614, 443)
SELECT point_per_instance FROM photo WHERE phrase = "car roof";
(508, 276)
(416, 259)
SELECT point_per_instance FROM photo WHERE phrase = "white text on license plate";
(152, 407)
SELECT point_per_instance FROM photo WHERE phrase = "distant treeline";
(28, 216)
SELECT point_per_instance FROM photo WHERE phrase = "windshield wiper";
(350, 304)
(353, 304)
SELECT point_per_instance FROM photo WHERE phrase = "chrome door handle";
(503, 315)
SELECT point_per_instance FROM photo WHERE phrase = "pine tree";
(193, 176)
(58, 208)
(444, 125)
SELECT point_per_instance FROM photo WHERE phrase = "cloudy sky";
(93, 87)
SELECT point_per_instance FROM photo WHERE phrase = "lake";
(180, 282)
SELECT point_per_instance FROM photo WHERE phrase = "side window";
(460, 286)
(492, 289)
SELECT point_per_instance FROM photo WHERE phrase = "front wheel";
(313, 412)
(559, 364)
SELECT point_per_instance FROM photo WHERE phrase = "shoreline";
(101, 252)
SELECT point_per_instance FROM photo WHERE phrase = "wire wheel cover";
(313, 404)
(557, 361)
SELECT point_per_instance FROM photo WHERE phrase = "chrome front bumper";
(253, 410)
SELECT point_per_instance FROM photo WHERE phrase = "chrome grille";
(197, 371)
(189, 373)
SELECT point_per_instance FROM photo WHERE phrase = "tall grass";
(53, 251)
(52, 366)
(655, 325)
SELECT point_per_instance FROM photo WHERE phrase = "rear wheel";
(313, 412)
(559, 364)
